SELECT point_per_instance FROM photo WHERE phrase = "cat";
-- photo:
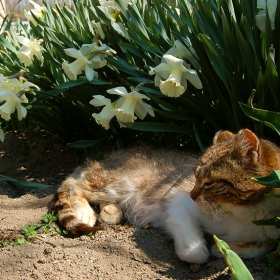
(185, 196)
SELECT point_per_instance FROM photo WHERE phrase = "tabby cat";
(159, 188)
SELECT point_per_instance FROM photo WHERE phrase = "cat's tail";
(62, 207)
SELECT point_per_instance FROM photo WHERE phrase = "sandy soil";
(120, 252)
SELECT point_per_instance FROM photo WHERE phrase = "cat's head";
(224, 172)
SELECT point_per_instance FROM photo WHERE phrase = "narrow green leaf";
(247, 53)
(270, 119)
(83, 143)
(272, 194)
(6, 178)
(268, 222)
(31, 185)
(271, 180)
(237, 267)
(214, 56)
(122, 65)
(182, 115)
(24, 183)
(197, 138)
(70, 84)
(159, 127)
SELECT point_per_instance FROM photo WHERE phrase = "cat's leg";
(182, 225)
(110, 213)
(83, 210)
(246, 250)
(79, 198)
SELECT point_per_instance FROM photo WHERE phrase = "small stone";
(146, 226)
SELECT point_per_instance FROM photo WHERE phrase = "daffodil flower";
(28, 50)
(117, 26)
(4, 84)
(180, 51)
(12, 102)
(172, 76)
(270, 5)
(75, 68)
(114, 5)
(12, 95)
(37, 12)
(107, 113)
(129, 104)
(97, 54)
(20, 85)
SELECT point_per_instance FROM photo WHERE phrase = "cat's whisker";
(219, 213)
(213, 208)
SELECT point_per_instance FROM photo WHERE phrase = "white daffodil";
(12, 102)
(107, 113)
(75, 68)
(114, 5)
(12, 95)
(129, 104)
(180, 51)
(4, 84)
(20, 85)
(270, 5)
(96, 54)
(118, 26)
(28, 50)
(1, 135)
(37, 12)
(172, 76)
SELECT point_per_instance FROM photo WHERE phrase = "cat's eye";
(208, 185)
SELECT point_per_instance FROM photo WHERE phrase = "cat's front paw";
(86, 215)
(195, 253)
(110, 214)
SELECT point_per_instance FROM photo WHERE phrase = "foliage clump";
(181, 67)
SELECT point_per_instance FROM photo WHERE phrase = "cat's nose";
(195, 193)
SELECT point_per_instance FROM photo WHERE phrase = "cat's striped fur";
(160, 188)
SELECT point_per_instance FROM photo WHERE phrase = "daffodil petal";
(118, 90)
(73, 53)
(105, 116)
(194, 79)
(140, 110)
(89, 73)
(100, 100)
(171, 88)
(149, 109)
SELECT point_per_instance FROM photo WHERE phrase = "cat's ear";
(246, 147)
(222, 136)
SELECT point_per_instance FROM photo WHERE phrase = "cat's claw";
(86, 215)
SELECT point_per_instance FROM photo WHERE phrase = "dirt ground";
(120, 252)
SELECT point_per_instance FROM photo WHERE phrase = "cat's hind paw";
(195, 253)
(110, 214)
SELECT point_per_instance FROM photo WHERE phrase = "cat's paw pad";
(195, 253)
(110, 214)
(86, 215)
